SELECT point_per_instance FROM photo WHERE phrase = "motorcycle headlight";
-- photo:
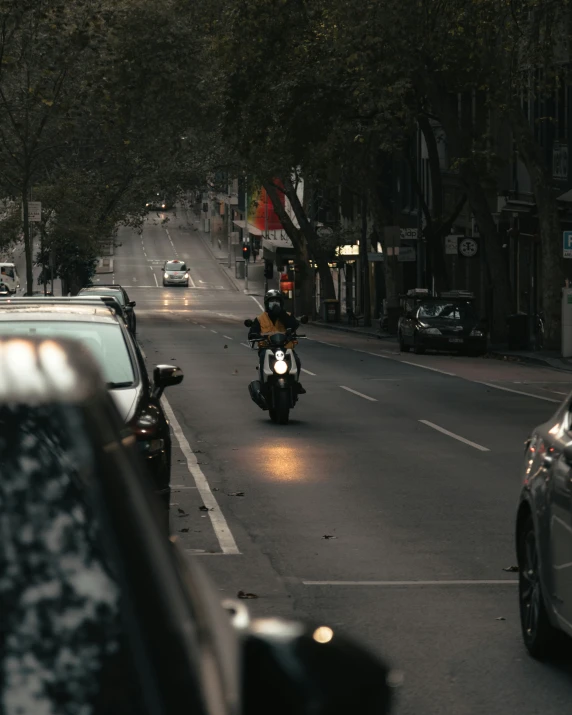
(279, 355)
(476, 333)
(431, 331)
(280, 367)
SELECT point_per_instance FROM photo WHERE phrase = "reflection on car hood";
(448, 322)
(125, 401)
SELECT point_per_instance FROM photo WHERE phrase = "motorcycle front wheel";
(280, 412)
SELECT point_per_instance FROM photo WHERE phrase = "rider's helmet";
(273, 302)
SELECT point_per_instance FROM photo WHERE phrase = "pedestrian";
(254, 254)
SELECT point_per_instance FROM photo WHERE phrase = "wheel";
(402, 346)
(540, 637)
(282, 407)
(417, 349)
(273, 414)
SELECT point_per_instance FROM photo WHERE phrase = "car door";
(560, 496)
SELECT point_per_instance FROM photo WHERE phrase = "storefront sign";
(567, 244)
(451, 243)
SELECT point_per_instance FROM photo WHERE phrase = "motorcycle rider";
(275, 319)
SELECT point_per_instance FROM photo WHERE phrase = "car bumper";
(449, 343)
(176, 281)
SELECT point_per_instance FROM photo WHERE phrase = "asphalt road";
(410, 462)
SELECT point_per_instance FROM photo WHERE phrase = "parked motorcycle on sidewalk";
(277, 389)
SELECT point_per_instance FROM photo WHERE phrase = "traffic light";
(268, 269)
(246, 252)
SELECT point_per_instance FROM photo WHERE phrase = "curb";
(532, 360)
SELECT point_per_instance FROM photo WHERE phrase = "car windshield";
(172, 266)
(7, 271)
(446, 310)
(105, 342)
(117, 294)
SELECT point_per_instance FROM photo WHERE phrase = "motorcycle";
(277, 391)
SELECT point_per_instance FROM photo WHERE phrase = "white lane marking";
(323, 342)
(192, 282)
(227, 337)
(246, 345)
(219, 524)
(556, 392)
(426, 367)
(460, 582)
(360, 394)
(367, 352)
(203, 326)
(516, 392)
(214, 331)
(308, 372)
(257, 302)
(150, 268)
(455, 436)
(156, 281)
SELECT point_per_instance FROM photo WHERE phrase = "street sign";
(567, 244)
(451, 245)
(408, 234)
(468, 247)
(34, 212)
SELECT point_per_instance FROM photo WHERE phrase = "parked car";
(94, 324)
(544, 535)
(175, 272)
(102, 614)
(446, 322)
(120, 294)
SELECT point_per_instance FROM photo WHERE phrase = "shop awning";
(251, 229)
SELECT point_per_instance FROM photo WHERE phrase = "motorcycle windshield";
(277, 340)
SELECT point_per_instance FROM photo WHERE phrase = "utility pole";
(365, 265)
(420, 247)
(229, 227)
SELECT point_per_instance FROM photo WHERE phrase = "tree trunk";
(391, 268)
(27, 243)
(550, 227)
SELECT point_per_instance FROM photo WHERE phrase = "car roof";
(174, 260)
(48, 310)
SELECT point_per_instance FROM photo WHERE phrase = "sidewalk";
(547, 358)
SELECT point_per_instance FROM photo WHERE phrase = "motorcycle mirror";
(248, 323)
(315, 671)
(304, 319)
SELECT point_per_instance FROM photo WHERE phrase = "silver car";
(544, 536)
(175, 272)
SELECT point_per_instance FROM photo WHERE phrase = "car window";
(117, 294)
(446, 310)
(64, 643)
(175, 266)
(104, 341)
(7, 271)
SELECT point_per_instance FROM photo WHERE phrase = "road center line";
(156, 281)
(360, 394)
(455, 436)
(307, 371)
(219, 524)
(367, 352)
(227, 337)
(476, 582)
(323, 342)
(214, 331)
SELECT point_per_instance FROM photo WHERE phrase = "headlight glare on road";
(280, 367)
(431, 331)
(475, 333)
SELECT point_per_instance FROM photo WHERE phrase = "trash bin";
(331, 310)
(517, 325)
(239, 269)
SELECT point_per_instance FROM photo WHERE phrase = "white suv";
(175, 272)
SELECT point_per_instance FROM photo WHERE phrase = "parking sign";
(567, 243)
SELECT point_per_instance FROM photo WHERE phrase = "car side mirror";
(304, 319)
(248, 323)
(132, 303)
(290, 668)
(165, 376)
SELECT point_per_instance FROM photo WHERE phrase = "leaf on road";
(511, 569)
(501, 618)
(226, 347)
(183, 531)
(329, 536)
(242, 594)
(235, 372)
(236, 494)
(181, 511)
(204, 508)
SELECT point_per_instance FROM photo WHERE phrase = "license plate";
(455, 340)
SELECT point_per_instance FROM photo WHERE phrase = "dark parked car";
(446, 323)
(101, 614)
(119, 357)
(120, 294)
(544, 535)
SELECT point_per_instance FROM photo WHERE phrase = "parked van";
(9, 276)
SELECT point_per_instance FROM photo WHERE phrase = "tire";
(283, 407)
(417, 349)
(273, 414)
(540, 637)
(402, 346)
